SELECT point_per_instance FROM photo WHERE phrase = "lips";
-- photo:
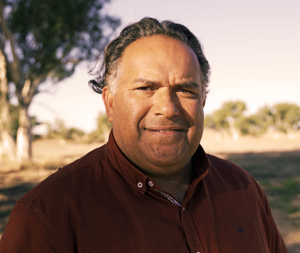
(164, 131)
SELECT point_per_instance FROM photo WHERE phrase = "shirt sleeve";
(25, 232)
(276, 243)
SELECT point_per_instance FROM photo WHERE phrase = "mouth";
(164, 131)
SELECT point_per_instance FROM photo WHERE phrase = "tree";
(60, 131)
(47, 39)
(227, 118)
(286, 117)
(252, 125)
(7, 145)
(103, 128)
(283, 117)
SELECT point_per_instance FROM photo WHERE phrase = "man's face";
(157, 109)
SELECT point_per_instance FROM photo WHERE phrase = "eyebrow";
(146, 81)
(188, 84)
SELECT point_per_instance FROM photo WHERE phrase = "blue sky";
(252, 47)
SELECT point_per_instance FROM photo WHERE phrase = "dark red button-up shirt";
(103, 203)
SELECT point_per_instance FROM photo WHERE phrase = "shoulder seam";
(56, 247)
(30, 201)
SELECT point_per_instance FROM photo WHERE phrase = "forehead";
(160, 53)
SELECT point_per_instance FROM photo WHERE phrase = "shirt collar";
(139, 180)
(124, 166)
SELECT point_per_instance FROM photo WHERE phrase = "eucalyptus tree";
(7, 144)
(45, 41)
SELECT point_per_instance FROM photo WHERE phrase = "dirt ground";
(263, 157)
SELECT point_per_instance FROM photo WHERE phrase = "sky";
(252, 47)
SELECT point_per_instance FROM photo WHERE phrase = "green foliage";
(234, 109)
(103, 128)
(250, 126)
(219, 119)
(60, 131)
(54, 36)
(286, 117)
(45, 40)
(209, 121)
(280, 117)
(229, 113)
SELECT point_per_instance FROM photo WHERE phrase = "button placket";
(190, 230)
(150, 183)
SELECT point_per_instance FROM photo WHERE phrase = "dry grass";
(219, 143)
(55, 152)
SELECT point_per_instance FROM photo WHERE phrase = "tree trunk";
(7, 144)
(7, 147)
(24, 136)
(24, 130)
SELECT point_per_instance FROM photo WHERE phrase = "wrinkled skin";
(157, 109)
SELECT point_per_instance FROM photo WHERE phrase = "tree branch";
(33, 87)
(14, 68)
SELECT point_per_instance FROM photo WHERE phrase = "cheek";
(129, 113)
(121, 113)
(193, 112)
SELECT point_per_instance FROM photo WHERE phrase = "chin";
(166, 159)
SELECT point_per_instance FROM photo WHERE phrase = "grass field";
(274, 160)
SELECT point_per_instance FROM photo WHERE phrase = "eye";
(144, 88)
(185, 91)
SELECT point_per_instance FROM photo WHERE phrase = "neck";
(175, 184)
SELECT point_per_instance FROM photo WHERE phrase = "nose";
(166, 103)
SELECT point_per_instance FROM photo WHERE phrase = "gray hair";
(106, 74)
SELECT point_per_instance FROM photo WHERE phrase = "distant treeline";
(60, 131)
(232, 117)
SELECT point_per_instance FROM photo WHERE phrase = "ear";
(108, 99)
(203, 100)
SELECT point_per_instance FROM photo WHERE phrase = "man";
(151, 188)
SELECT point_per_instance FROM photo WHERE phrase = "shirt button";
(150, 183)
(140, 184)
